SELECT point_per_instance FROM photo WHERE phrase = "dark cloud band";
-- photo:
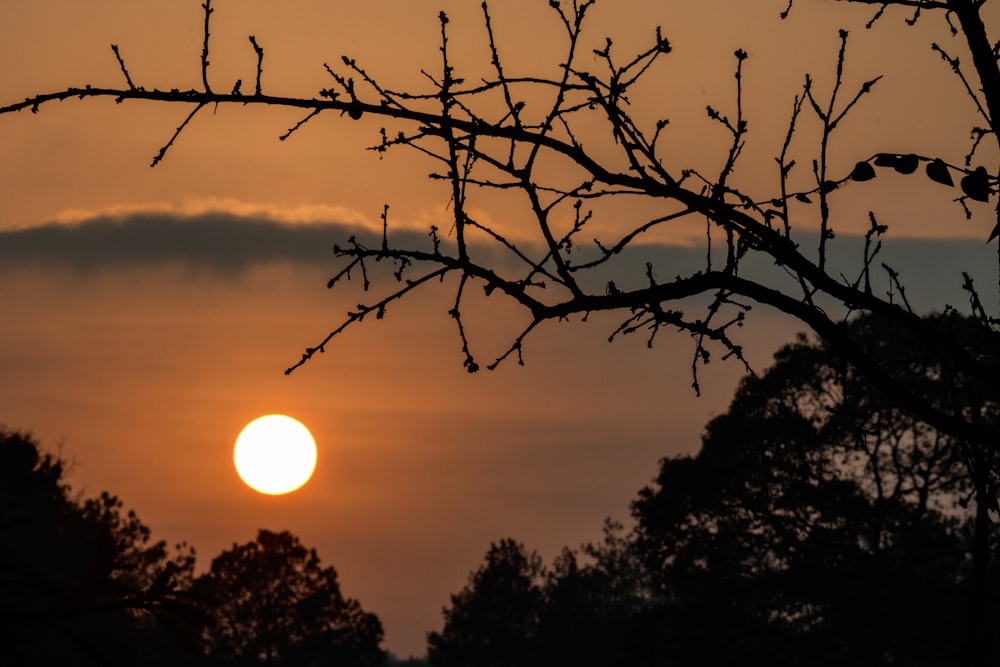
(228, 244)
(214, 241)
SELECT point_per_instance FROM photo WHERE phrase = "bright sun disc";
(275, 454)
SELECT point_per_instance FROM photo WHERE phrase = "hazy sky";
(149, 313)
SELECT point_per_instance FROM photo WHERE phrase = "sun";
(275, 454)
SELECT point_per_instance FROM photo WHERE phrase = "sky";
(150, 313)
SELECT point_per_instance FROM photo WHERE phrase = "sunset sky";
(149, 313)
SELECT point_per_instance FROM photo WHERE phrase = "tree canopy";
(82, 582)
(493, 621)
(817, 524)
(817, 519)
(585, 610)
(273, 603)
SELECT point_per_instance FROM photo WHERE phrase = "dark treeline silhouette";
(83, 583)
(273, 603)
(515, 611)
(818, 524)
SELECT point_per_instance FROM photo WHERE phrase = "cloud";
(226, 243)
(215, 241)
(192, 207)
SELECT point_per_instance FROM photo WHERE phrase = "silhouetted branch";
(207, 6)
(516, 346)
(260, 63)
(894, 281)
(163, 151)
(363, 311)
(294, 128)
(121, 64)
(875, 231)
(514, 109)
(917, 5)
(956, 67)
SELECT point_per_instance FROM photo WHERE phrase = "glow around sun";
(275, 454)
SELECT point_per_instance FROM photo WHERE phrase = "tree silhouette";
(140, 564)
(820, 523)
(82, 582)
(493, 621)
(596, 605)
(520, 138)
(587, 610)
(272, 603)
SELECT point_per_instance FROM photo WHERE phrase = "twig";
(260, 63)
(163, 151)
(121, 64)
(204, 49)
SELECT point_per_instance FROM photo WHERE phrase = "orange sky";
(95, 156)
(143, 371)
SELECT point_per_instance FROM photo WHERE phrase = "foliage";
(818, 524)
(408, 662)
(82, 581)
(493, 621)
(817, 520)
(139, 564)
(273, 603)
(595, 604)
(514, 611)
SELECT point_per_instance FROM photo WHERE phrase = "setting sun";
(275, 454)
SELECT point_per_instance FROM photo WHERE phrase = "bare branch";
(481, 136)
(163, 150)
(121, 64)
(260, 63)
(207, 6)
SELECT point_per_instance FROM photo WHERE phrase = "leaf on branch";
(802, 197)
(862, 172)
(828, 186)
(938, 172)
(976, 185)
(906, 164)
(886, 160)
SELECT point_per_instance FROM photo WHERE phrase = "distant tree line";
(818, 524)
